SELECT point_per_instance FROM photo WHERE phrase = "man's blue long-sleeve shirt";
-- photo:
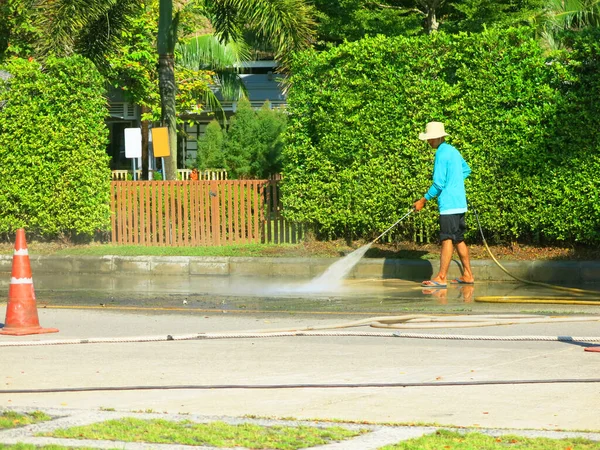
(449, 173)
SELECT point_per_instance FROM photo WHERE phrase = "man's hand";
(419, 204)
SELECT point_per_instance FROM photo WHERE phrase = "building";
(122, 114)
(260, 80)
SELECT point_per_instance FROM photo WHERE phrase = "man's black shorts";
(452, 226)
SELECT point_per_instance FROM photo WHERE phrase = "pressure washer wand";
(397, 222)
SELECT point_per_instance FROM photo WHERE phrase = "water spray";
(334, 275)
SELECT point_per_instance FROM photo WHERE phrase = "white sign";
(133, 142)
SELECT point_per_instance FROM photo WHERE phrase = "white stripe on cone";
(14, 280)
(21, 252)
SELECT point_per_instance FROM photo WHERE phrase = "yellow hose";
(531, 299)
(550, 300)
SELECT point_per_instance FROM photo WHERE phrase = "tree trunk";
(166, 75)
(432, 23)
(430, 9)
(167, 32)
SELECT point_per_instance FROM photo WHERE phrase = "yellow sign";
(160, 141)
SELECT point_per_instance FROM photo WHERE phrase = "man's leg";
(445, 260)
(463, 254)
(448, 227)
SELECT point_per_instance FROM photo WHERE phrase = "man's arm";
(439, 181)
(466, 170)
(439, 178)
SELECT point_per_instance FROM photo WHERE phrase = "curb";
(574, 272)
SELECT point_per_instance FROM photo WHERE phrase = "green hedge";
(54, 172)
(526, 123)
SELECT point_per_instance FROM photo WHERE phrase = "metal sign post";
(133, 147)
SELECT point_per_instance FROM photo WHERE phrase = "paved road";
(246, 364)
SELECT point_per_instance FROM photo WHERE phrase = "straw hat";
(433, 130)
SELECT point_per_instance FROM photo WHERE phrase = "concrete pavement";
(226, 378)
(245, 365)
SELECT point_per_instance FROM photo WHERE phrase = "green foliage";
(566, 15)
(239, 141)
(252, 144)
(477, 15)
(354, 163)
(132, 65)
(270, 125)
(91, 29)
(17, 32)
(54, 174)
(351, 20)
(341, 20)
(210, 147)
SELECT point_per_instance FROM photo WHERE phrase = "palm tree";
(285, 24)
(167, 38)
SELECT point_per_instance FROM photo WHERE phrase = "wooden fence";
(182, 174)
(194, 213)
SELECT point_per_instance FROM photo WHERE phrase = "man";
(449, 173)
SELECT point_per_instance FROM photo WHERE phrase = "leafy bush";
(54, 173)
(522, 121)
(270, 125)
(252, 144)
(210, 147)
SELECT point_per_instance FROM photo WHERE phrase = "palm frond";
(225, 17)
(231, 86)
(63, 20)
(101, 36)
(287, 24)
(564, 15)
(569, 14)
(207, 52)
(212, 103)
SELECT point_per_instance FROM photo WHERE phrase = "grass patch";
(216, 434)
(311, 248)
(451, 440)
(10, 419)
(21, 446)
(139, 250)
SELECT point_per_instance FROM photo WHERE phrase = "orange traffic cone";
(21, 311)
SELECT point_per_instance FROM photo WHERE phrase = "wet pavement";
(244, 294)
